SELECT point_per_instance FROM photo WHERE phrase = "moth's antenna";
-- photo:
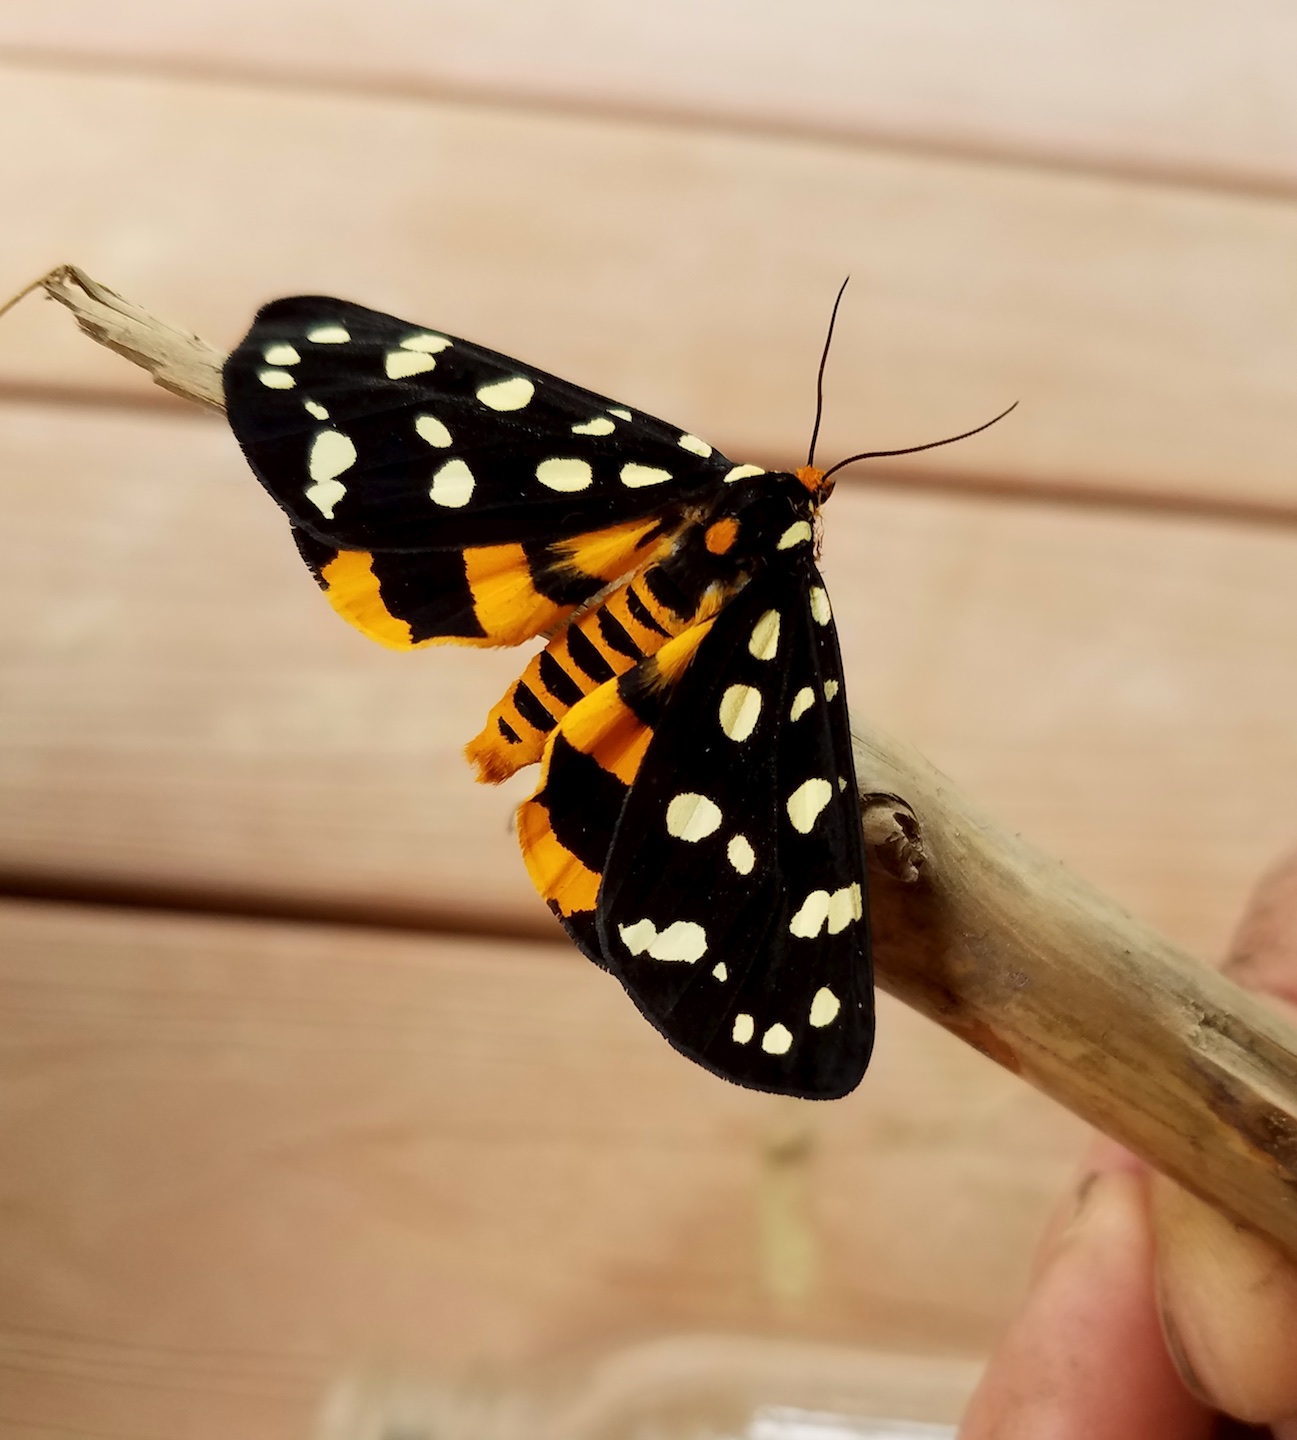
(914, 449)
(819, 379)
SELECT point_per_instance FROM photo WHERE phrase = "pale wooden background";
(246, 1136)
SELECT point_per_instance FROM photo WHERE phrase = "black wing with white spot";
(732, 905)
(377, 434)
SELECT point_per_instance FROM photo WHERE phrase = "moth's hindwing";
(485, 595)
(732, 902)
(590, 764)
(376, 434)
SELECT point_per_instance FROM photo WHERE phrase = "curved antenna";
(819, 379)
(914, 449)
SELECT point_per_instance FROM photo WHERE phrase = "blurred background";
(296, 1073)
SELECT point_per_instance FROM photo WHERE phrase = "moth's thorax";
(755, 521)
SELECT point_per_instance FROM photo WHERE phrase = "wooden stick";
(992, 940)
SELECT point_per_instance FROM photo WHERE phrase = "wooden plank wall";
(247, 1137)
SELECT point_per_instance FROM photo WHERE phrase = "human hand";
(1149, 1314)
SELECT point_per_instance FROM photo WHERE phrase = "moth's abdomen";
(635, 621)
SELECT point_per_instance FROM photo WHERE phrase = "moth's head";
(817, 483)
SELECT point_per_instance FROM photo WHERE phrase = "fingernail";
(1228, 1304)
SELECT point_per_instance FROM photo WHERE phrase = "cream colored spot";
(740, 707)
(842, 782)
(399, 364)
(743, 472)
(281, 355)
(831, 688)
(743, 1030)
(693, 444)
(620, 411)
(564, 474)
(838, 909)
(324, 495)
(512, 394)
(844, 907)
(824, 1008)
(452, 485)
(426, 342)
(276, 379)
(778, 1040)
(692, 817)
(430, 429)
(820, 605)
(600, 425)
(637, 476)
(796, 534)
(764, 640)
(720, 972)
(682, 940)
(806, 802)
(331, 453)
(741, 854)
(809, 920)
(802, 702)
(639, 936)
(318, 411)
(328, 335)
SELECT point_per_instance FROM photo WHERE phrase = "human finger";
(1084, 1359)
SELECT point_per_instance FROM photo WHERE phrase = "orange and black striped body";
(706, 562)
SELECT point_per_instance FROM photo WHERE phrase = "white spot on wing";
(324, 495)
(743, 1029)
(512, 394)
(276, 379)
(620, 411)
(600, 425)
(743, 472)
(564, 474)
(839, 909)
(820, 604)
(720, 972)
(806, 802)
(426, 342)
(797, 533)
(692, 817)
(331, 453)
(431, 430)
(741, 854)
(777, 1040)
(281, 355)
(844, 907)
(639, 936)
(824, 1008)
(740, 706)
(809, 920)
(682, 940)
(802, 702)
(831, 688)
(765, 636)
(452, 485)
(398, 364)
(635, 477)
(328, 335)
(693, 444)
(318, 411)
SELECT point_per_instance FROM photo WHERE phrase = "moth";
(696, 826)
